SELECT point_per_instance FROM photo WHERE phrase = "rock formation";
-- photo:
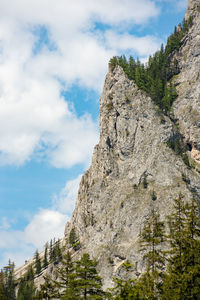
(187, 105)
(133, 169)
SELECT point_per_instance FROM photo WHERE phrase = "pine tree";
(58, 252)
(192, 252)
(125, 289)
(156, 74)
(72, 237)
(47, 289)
(152, 236)
(45, 260)
(182, 280)
(9, 281)
(38, 266)
(173, 280)
(87, 282)
(131, 68)
(26, 288)
(51, 251)
(2, 287)
(65, 277)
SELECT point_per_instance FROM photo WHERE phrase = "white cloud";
(46, 224)
(141, 46)
(66, 199)
(19, 245)
(4, 223)
(33, 115)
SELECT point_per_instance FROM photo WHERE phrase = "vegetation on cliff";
(173, 273)
(155, 77)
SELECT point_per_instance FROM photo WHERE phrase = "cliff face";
(133, 169)
(132, 162)
(187, 105)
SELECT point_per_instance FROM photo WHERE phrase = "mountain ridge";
(133, 168)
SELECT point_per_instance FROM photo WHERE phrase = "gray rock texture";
(132, 162)
(187, 105)
(113, 202)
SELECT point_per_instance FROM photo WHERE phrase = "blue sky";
(53, 62)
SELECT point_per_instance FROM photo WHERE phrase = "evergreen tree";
(154, 77)
(72, 237)
(173, 280)
(51, 251)
(192, 252)
(58, 252)
(131, 68)
(126, 290)
(55, 252)
(182, 280)
(45, 260)
(38, 266)
(2, 287)
(47, 289)
(65, 277)
(9, 282)
(88, 284)
(152, 236)
(26, 288)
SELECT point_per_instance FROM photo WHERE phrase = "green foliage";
(76, 280)
(152, 236)
(2, 287)
(178, 276)
(26, 287)
(125, 290)
(47, 289)
(8, 282)
(88, 284)
(127, 265)
(45, 260)
(64, 285)
(51, 254)
(176, 143)
(38, 266)
(155, 77)
(72, 236)
(55, 252)
(182, 280)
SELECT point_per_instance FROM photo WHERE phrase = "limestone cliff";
(187, 105)
(113, 201)
(133, 169)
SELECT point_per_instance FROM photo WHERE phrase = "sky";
(54, 56)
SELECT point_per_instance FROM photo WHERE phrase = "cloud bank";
(45, 47)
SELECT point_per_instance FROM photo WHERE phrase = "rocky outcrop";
(187, 105)
(133, 169)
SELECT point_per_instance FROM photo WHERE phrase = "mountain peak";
(193, 8)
